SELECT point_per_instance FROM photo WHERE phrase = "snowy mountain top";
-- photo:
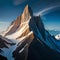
(57, 37)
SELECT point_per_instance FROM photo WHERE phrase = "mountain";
(54, 32)
(57, 37)
(4, 45)
(20, 21)
(27, 39)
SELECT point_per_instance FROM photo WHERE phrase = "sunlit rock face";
(27, 39)
(20, 21)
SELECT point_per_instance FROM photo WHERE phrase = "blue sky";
(52, 20)
(50, 10)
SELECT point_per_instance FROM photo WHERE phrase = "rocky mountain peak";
(28, 10)
(27, 13)
(28, 21)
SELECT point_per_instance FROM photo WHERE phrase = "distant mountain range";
(53, 32)
(27, 39)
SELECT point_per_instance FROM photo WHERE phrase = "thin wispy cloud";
(3, 25)
(17, 2)
(2, 22)
(46, 10)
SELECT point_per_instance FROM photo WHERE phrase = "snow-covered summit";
(57, 37)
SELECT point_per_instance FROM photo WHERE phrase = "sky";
(49, 10)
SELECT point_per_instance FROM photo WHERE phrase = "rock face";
(40, 51)
(32, 41)
(4, 42)
(2, 58)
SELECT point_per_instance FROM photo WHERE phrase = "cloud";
(17, 2)
(2, 22)
(4, 25)
(46, 10)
